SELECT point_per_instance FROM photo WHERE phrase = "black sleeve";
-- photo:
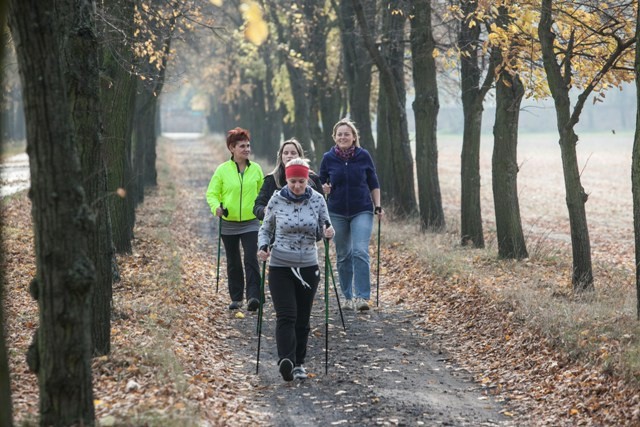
(315, 183)
(266, 191)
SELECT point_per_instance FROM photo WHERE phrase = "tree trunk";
(399, 188)
(472, 98)
(258, 118)
(299, 87)
(83, 80)
(273, 126)
(509, 93)
(635, 169)
(117, 94)
(143, 138)
(326, 85)
(357, 70)
(61, 353)
(6, 409)
(582, 275)
(425, 108)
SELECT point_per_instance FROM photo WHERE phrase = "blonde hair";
(352, 126)
(298, 161)
(278, 171)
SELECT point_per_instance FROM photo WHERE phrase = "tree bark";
(473, 93)
(635, 170)
(576, 197)
(425, 107)
(273, 126)
(299, 86)
(61, 353)
(357, 69)
(117, 94)
(509, 93)
(325, 89)
(396, 174)
(6, 408)
(84, 95)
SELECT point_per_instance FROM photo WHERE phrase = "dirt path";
(381, 370)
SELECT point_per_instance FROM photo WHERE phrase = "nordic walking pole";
(329, 269)
(260, 313)
(333, 280)
(378, 269)
(218, 260)
(326, 307)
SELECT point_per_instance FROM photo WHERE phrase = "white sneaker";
(347, 304)
(299, 373)
(362, 304)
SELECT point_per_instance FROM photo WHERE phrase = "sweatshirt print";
(292, 228)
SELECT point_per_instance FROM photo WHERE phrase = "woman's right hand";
(326, 188)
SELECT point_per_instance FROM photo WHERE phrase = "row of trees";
(91, 74)
(323, 60)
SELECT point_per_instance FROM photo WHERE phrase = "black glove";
(377, 210)
(264, 248)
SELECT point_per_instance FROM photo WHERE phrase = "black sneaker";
(235, 305)
(286, 369)
(253, 304)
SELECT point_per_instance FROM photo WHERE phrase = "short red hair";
(237, 134)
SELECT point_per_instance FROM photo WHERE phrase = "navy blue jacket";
(351, 182)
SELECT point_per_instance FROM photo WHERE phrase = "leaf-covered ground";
(436, 352)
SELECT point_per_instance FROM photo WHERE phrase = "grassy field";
(599, 328)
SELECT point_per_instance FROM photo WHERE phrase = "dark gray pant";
(235, 274)
(292, 302)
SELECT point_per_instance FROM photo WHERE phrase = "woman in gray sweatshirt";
(288, 237)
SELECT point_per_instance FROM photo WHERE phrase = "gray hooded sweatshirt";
(294, 226)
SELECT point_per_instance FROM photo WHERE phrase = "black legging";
(292, 302)
(235, 273)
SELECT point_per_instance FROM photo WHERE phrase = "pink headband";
(296, 171)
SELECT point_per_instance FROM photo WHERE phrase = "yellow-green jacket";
(236, 191)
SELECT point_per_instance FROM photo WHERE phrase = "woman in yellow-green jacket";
(231, 194)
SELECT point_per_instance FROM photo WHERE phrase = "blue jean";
(353, 234)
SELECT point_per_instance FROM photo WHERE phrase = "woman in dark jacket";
(354, 197)
(290, 149)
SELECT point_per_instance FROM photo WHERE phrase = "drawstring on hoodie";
(296, 272)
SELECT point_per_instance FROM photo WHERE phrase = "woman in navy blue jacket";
(350, 181)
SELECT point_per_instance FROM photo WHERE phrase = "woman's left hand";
(263, 253)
